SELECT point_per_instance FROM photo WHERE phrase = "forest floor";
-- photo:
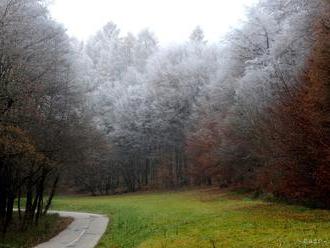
(202, 218)
(49, 226)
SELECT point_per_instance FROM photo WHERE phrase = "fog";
(171, 20)
(110, 112)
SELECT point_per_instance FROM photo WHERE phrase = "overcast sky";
(170, 20)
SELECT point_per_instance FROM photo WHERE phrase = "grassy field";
(48, 227)
(203, 219)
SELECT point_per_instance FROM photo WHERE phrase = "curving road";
(84, 232)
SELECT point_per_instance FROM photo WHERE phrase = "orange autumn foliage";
(202, 148)
(304, 137)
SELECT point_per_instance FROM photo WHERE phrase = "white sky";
(170, 20)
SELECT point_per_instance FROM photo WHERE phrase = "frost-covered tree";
(200, 112)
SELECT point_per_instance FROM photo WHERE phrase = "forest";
(121, 113)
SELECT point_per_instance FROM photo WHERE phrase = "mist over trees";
(121, 113)
(237, 113)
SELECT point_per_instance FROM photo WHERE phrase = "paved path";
(84, 232)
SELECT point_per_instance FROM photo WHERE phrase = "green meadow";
(202, 218)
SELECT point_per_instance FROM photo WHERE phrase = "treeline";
(251, 111)
(41, 110)
(121, 113)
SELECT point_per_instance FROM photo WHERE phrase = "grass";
(48, 227)
(205, 218)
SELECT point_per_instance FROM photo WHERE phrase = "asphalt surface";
(84, 232)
